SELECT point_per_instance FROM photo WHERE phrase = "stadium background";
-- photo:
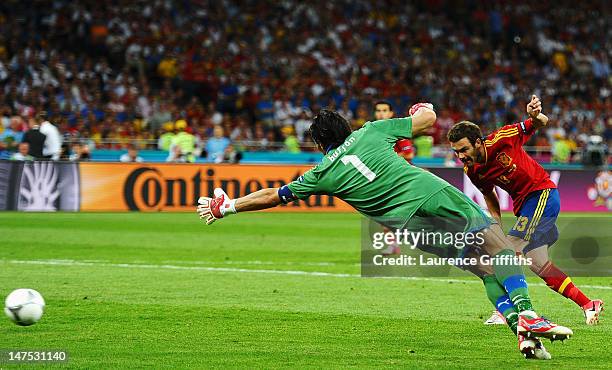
(113, 73)
(228, 82)
(220, 82)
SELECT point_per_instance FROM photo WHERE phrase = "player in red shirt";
(405, 149)
(499, 159)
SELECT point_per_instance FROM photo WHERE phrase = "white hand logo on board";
(38, 190)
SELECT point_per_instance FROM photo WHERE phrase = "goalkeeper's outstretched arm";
(261, 199)
(212, 209)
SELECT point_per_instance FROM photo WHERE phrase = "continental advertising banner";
(172, 187)
(49, 186)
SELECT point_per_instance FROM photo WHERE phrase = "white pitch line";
(254, 271)
(174, 267)
(263, 263)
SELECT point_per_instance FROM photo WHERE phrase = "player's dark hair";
(329, 129)
(384, 102)
(466, 129)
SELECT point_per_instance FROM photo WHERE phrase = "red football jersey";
(508, 166)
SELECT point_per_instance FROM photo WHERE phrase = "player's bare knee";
(539, 258)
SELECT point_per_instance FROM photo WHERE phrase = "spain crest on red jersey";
(504, 159)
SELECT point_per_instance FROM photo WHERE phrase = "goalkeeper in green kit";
(361, 168)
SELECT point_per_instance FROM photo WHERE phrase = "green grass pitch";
(261, 290)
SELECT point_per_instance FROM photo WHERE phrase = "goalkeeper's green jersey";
(366, 173)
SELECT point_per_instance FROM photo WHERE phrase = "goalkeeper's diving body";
(361, 168)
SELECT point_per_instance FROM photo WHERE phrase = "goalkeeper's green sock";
(498, 296)
(510, 276)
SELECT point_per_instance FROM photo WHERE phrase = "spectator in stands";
(99, 70)
(216, 145)
(5, 114)
(22, 153)
(53, 138)
(167, 67)
(131, 155)
(12, 136)
(284, 112)
(232, 155)
(291, 142)
(162, 114)
(185, 140)
(302, 125)
(424, 146)
(176, 155)
(65, 154)
(345, 111)
(595, 152)
(79, 152)
(35, 139)
(265, 109)
(165, 140)
(260, 142)
(362, 117)
(561, 150)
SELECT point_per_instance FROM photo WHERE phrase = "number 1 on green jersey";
(359, 165)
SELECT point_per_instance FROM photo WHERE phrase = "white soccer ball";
(24, 306)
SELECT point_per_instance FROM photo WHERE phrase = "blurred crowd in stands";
(215, 78)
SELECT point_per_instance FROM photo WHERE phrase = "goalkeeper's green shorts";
(449, 211)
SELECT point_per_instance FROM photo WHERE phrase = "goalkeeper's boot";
(541, 327)
(496, 319)
(392, 249)
(592, 310)
(532, 348)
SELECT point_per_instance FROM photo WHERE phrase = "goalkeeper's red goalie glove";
(212, 209)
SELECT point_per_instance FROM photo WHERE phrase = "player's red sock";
(558, 281)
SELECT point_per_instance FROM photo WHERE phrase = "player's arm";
(423, 118)
(212, 209)
(493, 205)
(541, 120)
(534, 110)
(261, 199)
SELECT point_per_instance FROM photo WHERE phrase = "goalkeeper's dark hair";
(329, 129)
(467, 129)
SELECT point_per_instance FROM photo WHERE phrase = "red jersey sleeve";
(518, 132)
(525, 130)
